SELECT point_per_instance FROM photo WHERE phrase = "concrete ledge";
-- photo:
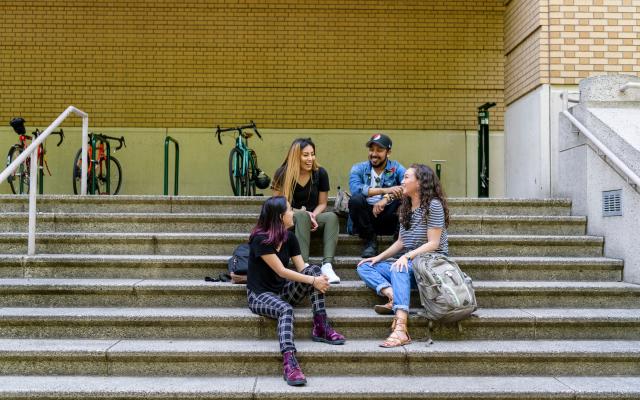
(240, 323)
(319, 387)
(244, 222)
(206, 204)
(191, 293)
(355, 358)
(97, 266)
(225, 243)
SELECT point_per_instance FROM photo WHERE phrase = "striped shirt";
(416, 235)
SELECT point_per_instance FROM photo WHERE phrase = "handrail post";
(166, 166)
(33, 185)
(85, 166)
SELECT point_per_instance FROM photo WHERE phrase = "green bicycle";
(244, 174)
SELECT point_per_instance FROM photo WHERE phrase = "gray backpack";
(446, 293)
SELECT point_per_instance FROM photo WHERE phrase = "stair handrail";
(630, 85)
(603, 151)
(33, 180)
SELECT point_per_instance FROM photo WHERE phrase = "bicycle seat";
(247, 134)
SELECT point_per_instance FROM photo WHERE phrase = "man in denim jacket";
(375, 193)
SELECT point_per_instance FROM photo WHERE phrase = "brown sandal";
(398, 325)
(384, 309)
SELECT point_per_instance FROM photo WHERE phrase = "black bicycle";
(104, 167)
(244, 174)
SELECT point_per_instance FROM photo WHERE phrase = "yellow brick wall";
(561, 42)
(526, 47)
(592, 38)
(349, 64)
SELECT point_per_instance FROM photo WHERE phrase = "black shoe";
(370, 248)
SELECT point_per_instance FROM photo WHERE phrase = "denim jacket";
(360, 176)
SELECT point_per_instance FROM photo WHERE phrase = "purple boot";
(291, 370)
(323, 332)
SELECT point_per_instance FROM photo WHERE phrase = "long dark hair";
(270, 221)
(429, 189)
(286, 176)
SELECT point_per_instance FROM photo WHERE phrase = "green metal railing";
(166, 166)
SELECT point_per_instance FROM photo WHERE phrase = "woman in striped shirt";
(424, 218)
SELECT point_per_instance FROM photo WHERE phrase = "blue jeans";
(380, 276)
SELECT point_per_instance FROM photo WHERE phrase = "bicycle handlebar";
(60, 133)
(240, 128)
(120, 140)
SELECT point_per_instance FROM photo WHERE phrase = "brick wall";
(526, 47)
(563, 41)
(592, 38)
(378, 64)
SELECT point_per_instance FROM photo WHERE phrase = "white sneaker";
(327, 269)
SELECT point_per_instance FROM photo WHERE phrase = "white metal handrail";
(631, 176)
(630, 85)
(33, 179)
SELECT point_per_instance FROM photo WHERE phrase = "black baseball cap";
(381, 140)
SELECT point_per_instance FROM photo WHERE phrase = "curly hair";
(430, 188)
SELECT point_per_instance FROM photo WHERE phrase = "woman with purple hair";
(273, 289)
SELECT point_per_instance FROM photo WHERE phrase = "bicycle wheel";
(236, 177)
(115, 183)
(115, 177)
(19, 179)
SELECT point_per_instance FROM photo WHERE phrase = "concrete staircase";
(115, 306)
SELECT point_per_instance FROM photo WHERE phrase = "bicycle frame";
(97, 154)
(245, 167)
(23, 143)
(243, 145)
(41, 162)
(96, 161)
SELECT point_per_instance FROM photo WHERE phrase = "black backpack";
(237, 265)
(239, 262)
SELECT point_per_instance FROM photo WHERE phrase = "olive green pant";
(328, 224)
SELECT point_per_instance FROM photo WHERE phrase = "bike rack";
(166, 166)
(34, 165)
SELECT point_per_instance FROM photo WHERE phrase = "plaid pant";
(280, 306)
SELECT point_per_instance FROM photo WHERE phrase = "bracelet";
(314, 281)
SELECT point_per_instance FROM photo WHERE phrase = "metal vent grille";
(612, 203)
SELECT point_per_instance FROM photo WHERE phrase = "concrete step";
(236, 357)
(507, 387)
(225, 243)
(354, 323)
(209, 204)
(191, 293)
(197, 267)
(244, 222)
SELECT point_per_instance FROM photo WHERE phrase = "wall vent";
(612, 203)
